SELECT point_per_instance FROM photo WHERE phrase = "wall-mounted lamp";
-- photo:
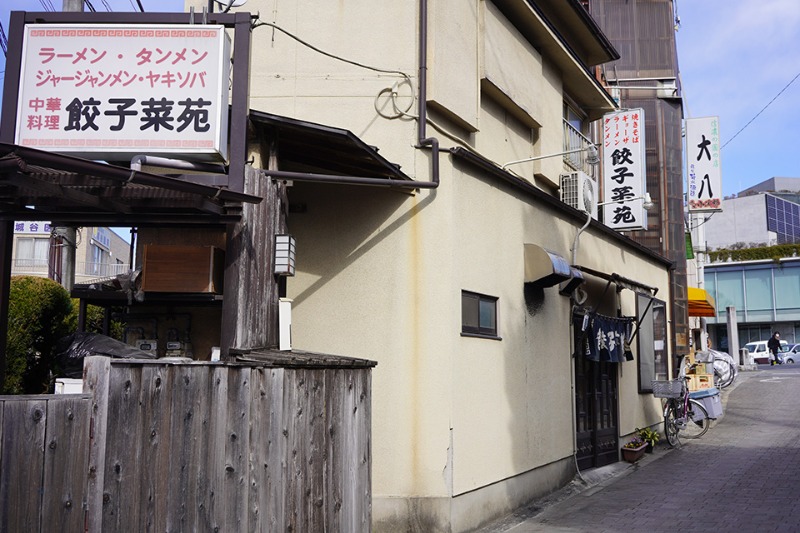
(284, 255)
(647, 204)
(592, 157)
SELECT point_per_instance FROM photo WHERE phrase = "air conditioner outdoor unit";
(579, 191)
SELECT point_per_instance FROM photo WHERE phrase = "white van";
(760, 352)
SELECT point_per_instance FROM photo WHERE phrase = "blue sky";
(735, 56)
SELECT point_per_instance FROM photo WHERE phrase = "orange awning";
(701, 303)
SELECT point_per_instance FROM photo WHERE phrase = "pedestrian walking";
(774, 346)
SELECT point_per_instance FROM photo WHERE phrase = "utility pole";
(69, 234)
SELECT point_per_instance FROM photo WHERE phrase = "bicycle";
(682, 414)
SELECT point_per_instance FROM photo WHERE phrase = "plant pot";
(649, 447)
(633, 454)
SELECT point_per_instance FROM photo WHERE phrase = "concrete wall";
(742, 219)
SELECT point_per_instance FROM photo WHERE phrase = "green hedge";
(774, 253)
(40, 312)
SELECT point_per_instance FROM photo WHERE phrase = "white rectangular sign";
(624, 170)
(37, 227)
(703, 164)
(110, 91)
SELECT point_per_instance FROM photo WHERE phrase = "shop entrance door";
(596, 412)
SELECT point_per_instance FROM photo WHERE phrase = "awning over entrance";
(544, 268)
(701, 303)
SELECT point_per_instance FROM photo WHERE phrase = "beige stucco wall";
(380, 272)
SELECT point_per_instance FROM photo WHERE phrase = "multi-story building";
(741, 270)
(483, 397)
(646, 76)
(38, 251)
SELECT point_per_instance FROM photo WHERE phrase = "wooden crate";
(177, 268)
(700, 381)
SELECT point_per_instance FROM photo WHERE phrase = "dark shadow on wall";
(345, 223)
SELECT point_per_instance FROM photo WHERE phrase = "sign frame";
(115, 67)
(703, 165)
(624, 170)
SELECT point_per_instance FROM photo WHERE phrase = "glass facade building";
(765, 295)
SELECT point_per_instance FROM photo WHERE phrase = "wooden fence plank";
(122, 476)
(211, 477)
(154, 435)
(187, 415)
(277, 446)
(66, 459)
(237, 452)
(357, 504)
(364, 450)
(22, 464)
(259, 439)
(317, 459)
(197, 472)
(96, 372)
(335, 393)
(295, 409)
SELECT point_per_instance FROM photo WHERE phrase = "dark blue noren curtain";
(604, 338)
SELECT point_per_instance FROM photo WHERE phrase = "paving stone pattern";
(742, 476)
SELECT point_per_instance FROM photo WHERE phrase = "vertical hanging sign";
(703, 164)
(624, 170)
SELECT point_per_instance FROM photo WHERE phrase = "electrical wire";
(688, 223)
(399, 111)
(328, 54)
(762, 110)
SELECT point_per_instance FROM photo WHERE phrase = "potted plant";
(649, 436)
(634, 449)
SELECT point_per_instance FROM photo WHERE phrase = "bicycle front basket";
(667, 389)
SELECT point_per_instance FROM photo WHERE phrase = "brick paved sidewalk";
(743, 475)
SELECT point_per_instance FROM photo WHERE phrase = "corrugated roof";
(41, 185)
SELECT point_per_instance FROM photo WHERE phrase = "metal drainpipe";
(139, 160)
(422, 140)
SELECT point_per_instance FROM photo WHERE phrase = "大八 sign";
(624, 170)
(111, 91)
(703, 164)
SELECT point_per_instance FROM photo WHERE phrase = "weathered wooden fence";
(44, 450)
(195, 447)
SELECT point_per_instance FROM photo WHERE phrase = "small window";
(478, 314)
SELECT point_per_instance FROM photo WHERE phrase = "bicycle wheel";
(730, 376)
(718, 378)
(697, 421)
(724, 373)
(670, 427)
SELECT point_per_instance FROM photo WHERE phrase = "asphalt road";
(742, 476)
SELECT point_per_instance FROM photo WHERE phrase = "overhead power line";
(3, 40)
(762, 110)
